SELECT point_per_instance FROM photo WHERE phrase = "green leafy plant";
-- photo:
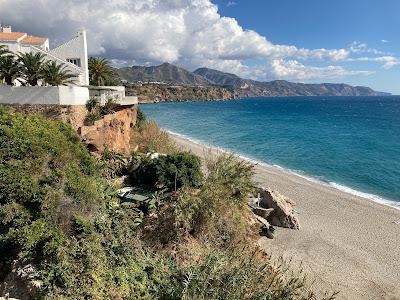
(172, 171)
(140, 117)
(92, 117)
(31, 67)
(179, 169)
(92, 104)
(56, 75)
(10, 69)
(100, 72)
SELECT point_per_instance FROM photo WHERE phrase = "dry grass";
(149, 137)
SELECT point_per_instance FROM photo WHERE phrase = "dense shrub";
(232, 175)
(213, 213)
(113, 164)
(171, 171)
(179, 169)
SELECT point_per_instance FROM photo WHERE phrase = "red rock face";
(113, 132)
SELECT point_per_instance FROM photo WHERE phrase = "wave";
(343, 188)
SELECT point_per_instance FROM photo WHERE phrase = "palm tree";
(31, 67)
(56, 75)
(9, 69)
(4, 50)
(100, 72)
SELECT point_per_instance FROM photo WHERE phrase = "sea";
(350, 143)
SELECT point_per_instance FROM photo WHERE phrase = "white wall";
(73, 95)
(75, 48)
(62, 95)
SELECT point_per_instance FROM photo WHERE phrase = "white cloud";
(294, 70)
(358, 48)
(384, 41)
(388, 61)
(190, 33)
(231, 3)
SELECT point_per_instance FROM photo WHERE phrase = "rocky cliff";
(160, 93)
(113, 132)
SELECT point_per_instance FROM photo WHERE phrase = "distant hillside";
(283, 88)
(237, 87)
(164, 73)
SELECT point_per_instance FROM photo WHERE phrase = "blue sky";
(328, 24)
(312, 41)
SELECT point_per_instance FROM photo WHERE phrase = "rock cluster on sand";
(283, 213)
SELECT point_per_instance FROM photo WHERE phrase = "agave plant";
(31, 67)
(100, 72)
(10, 69)
(56, 75)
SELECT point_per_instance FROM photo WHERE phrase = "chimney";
(7, 29)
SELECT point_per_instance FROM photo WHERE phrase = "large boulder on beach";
(283, 209)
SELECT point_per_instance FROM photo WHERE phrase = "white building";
(71, 54)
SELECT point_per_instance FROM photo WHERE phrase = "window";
(75, 61)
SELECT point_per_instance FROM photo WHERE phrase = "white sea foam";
(335, 185)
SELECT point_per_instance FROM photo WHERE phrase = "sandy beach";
(346, 243)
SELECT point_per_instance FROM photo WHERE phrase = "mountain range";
(239, 87)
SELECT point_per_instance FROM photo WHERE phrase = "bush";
(141, 117)
(150, 138)
(92, 104)
(172, 171)
(178, 170)
(44, 169)
(108, 107)
(231, 174)
(92, 117)
(214, 212)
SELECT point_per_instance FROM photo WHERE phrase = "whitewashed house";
(71, 54)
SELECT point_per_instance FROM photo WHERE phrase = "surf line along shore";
(346, 242)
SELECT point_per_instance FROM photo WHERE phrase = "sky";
(350, 41)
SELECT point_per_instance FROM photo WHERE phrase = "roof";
(11, 36)
(26, 39)
(33, 40)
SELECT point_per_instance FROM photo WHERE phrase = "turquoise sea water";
(352, 143)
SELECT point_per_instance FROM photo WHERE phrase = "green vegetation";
(150, 138)
(58, 213)
(97, 111)
(10, 69)
(172, 171)
(141, 117)
(32, 68)
(100, 72)
(56, 75)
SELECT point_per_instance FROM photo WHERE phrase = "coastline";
(346, 242)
